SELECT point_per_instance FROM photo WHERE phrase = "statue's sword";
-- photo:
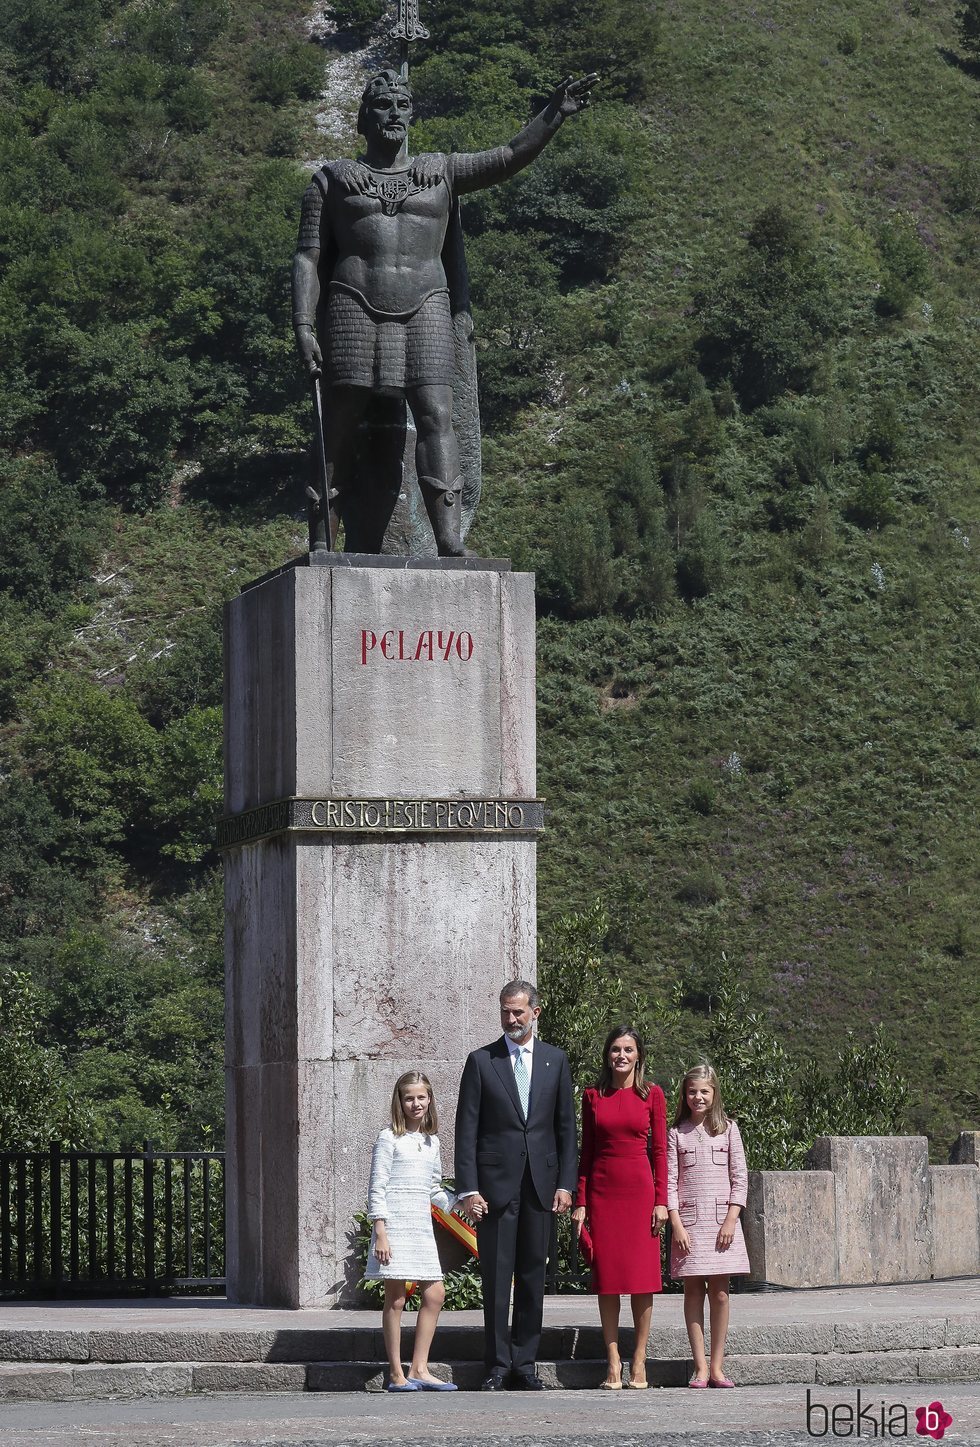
(407, 28)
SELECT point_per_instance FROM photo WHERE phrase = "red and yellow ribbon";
(460, 1229)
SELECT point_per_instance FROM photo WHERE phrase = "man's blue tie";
(522, 1080)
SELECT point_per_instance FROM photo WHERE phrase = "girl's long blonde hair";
(716, 1120)
(430, 1125)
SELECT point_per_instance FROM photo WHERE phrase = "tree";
(94, 755)
(188, 788)
(969, 17)
(48, 535)
(764, 324)
(37, 1101)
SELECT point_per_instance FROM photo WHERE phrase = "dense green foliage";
(783, 1104)
(729, 359)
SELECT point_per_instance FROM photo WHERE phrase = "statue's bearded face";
(388, 116)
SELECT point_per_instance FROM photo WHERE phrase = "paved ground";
(753, 1416)
(855, 1304)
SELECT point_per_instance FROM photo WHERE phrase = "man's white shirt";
(514, 1050)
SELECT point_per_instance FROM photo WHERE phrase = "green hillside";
(730, 374)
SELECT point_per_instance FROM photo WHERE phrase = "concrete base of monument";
(397, 561)
(58, 1351)
(379, 845)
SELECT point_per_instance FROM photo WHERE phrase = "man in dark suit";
(516, 1162)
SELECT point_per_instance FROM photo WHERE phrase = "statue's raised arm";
(477, 169)
(380, 308)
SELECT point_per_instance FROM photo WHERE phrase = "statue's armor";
(384, 316)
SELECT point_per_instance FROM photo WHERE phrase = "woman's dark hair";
(605, 1074)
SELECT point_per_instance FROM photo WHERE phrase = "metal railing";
(111, 1222)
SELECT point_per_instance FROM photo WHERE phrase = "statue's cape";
(408, 530)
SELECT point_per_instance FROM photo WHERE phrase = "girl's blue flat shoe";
(408, 1386)
(433, 1386)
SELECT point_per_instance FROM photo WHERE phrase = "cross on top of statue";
(407, 28)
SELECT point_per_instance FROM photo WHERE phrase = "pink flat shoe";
(720, 1382)
(696, 1382)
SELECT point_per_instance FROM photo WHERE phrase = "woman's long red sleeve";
(658, 1144)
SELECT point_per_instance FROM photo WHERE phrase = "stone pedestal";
(379, 846)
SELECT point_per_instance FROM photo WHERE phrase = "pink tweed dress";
(706, 1174)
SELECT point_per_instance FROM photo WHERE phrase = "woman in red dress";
(622, 1194)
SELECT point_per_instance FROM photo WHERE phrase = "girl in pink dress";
(707, 1182)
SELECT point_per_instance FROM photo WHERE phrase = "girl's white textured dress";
(406, 1178)
(704, 1174)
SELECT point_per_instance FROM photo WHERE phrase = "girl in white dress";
(406, 1178)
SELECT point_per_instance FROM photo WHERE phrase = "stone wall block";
(129, 1380)
(790, 1225)
(407, 727)
(44, 1346)
(754, 1371)
(23, 1382)
(912, 1334)
(312, 861)
(966, 1151)
(954, 1364)
(517, 686)
(806, 1337)
(260, 695)
(954, 1220)
(243, 1183)
(859, 1368)
(249, 1377)
(260, 953)
(313, 681)
(883, 1199)
(963, 1330)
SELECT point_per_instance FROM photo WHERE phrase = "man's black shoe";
(527, 1382)
(493, 1383)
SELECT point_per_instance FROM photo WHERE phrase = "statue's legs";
(345, 413)
(437, 465)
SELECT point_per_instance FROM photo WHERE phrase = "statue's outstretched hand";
(572, 96)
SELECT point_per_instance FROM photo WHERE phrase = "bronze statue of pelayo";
(382, 319)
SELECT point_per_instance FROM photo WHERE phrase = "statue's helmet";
(385, 82)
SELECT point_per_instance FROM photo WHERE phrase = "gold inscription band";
(383, 816)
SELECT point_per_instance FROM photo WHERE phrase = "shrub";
(48, 535)
(579, 575)
(701, 560)
(186, 676)
(765, 322)
(582, 194)
(904, 266)
(94, 755)
(37, 1103)
(517, 310)
(968, 16)
(356, 14)
(702, 796)
(702, 886)
(872, 504)
(294, 68)
(186, 795)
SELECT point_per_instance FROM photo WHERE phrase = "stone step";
(65, 1381)
(464, 1343)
